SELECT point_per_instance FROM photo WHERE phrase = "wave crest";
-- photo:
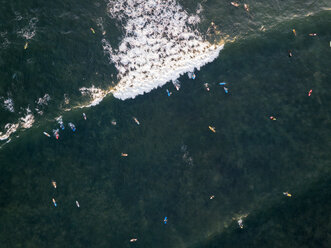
(159, 45)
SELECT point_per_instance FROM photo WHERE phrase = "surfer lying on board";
(72, 126)
(206, 86)
(212, 129)
(287, 194)
(136, 120)
(235, 4)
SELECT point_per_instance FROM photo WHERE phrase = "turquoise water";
(174, 163)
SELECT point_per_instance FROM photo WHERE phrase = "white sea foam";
(159, 45)
(28, 120)
(44, 100)
(9, 129)
(29, 31)
(96, 95)
(9, 104)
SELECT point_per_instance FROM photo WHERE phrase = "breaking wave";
(160, 44)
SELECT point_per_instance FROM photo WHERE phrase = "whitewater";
(160, 43)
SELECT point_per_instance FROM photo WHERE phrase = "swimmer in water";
(211, 197)
(84, 115)
(136, 120)
(54, 184)
(212, 129)
(113, 122)
(313, 34)
(124, 154)
(133, 240)
(206, 86)
(290, 53)
(77, 204)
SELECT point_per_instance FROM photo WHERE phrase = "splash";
(9, 129)
(160, 44)
(96, 95)
(29, 31)
(44, 100)
(28, 120)
(9, 105)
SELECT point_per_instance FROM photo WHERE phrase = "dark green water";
(175, 162)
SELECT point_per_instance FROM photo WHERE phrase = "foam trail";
(9, 105)
(96, 95)
(28, 120)
(10, 128)
(159, 45)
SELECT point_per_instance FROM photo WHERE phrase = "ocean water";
(113, 61)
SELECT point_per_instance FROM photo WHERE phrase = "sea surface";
(157, 143)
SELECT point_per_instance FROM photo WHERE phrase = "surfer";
(133, 240)
(72, 126)
(223, 83)
(165, 220)
(206, 86)
(84, 115)
(235, 4)
(226, 90)
(176, 84)
(54, 184)
(246, 7)
(168, 92)
(92, 30)
(211, 197)
(193, 76)
(54, 202)
(212, 129)
(56, 133)
(287, 194)
(290, 53)
(294, 32)
(313, 34)
(272, 118)
(26, 45)
(136, 120)
(61, 125)
(240, 223)
(124, 154)
(309, 93)
(113, 122)
(77, 204)
(47, 134)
